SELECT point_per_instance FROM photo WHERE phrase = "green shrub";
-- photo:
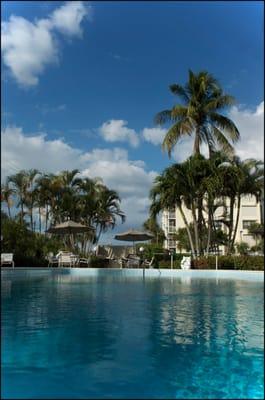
(29, 261)
(29, 248)
(96, 262)
(251, 263)
(230, 262)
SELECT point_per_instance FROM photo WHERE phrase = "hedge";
(251, 263)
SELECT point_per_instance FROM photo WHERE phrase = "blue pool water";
(112, 335)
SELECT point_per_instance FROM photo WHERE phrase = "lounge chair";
(83, 261)
(65, 260)
(104, 252)
(52, 260)
(7, 259)
(132, 261)
(148, 264)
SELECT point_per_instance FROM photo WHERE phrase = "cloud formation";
(28, 47)
(250, 124)
(130, 178)
(154, 135)
(116, 130)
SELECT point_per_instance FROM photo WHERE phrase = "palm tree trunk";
(46, 217)
(209, 229)
(195, 229)
(196, 146)
(237, 220)
(39, 220)
(231, 224)
(31, 219)
(200, 222)
(22, 212)
(99, 234)
(9, 210)
(187, 228)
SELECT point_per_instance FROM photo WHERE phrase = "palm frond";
(180, 91)
(222, 141)
(225, 124)
(163, 117)
(181, 128)
(219, 102)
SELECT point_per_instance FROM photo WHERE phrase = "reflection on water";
(124, 337)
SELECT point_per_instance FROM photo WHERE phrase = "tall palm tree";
(241, 177)
(171, 189)
(151, 225)
(6, 196)
(198, 114)
(108, 209)
(30, 196)
(19, 184)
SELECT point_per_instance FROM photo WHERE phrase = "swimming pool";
(118, 334)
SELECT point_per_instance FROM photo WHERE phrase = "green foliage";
(96, 262)
(153, 227)
(243, 248)
(202, 186)
(256, 230)
(251, 263)
(181, 236)
(259, 247)
(57, 198)
(29, 248)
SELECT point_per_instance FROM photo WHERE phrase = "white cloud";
(154, 135)
(67, 19)
(116, 130)
(251, 127)
(130, 178)
(28, 47)
(19, 151)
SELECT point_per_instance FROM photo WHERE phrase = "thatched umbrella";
(69, 227)
(134, 236)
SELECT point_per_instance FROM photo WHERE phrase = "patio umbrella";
(134, 236)
(69, 227)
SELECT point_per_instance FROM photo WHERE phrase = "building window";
(247, 223)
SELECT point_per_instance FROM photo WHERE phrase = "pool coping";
(153, 272)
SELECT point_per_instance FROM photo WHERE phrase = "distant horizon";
(82, 82)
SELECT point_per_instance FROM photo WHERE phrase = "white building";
(250, 211)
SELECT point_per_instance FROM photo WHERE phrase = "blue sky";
(91, 86)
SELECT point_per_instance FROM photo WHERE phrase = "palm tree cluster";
(202, 186)
(48, 199)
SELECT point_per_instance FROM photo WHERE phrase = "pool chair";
(52, 260)
(104, 252)
(148, 264)
(132, 261)
(7, 259)
(65, 260)
(185, 263)
(82, 262)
